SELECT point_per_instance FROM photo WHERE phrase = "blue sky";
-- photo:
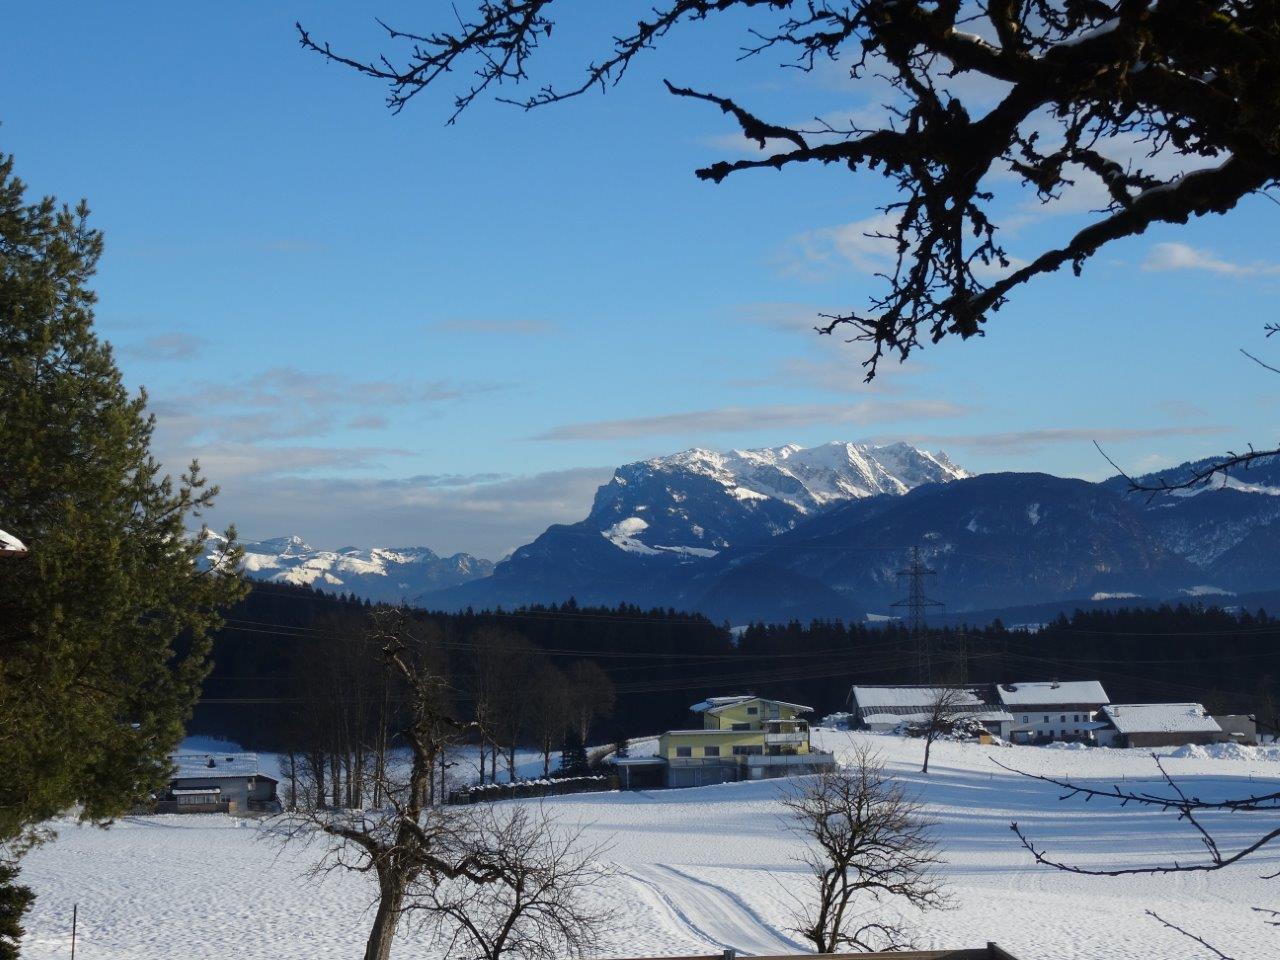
(379, 329)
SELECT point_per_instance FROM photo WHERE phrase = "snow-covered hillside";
(699, 870)
(378, 573)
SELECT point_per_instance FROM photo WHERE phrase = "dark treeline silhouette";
(547, 675)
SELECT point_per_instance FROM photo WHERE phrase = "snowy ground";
(706, 868)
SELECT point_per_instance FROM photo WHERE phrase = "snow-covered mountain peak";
(809, 478)
(380, 573)
(699, 500)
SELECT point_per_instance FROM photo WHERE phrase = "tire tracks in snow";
(723, 917)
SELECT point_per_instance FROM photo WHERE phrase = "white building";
(1053, 710)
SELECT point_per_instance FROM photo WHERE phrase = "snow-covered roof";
(1160, 718)
(196, 766)
(637, 761)
(869, 698)
(1051, 692)
(717, 704)
(982, 716)
(196, 792)
(11, 545)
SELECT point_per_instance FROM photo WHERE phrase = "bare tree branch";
(1190, 84)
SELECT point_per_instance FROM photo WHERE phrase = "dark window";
(711, 751)
(684, 751)
(1026, 719)
(1063, 718)
(752, 711)
(1046, 718)
(747, 750)
(742, 726)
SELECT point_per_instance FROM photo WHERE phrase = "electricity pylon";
(917, 606)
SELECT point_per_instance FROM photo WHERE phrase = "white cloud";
(697, 423)
(1181, 256)
(513, 327)
(175, 345)
(1030, 441)
(486, 514)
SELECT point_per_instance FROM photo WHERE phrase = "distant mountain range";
(822, 532)
(392, 574)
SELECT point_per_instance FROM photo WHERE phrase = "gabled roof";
(995, 715)
(11, 546)
(869, 699)
(1051, 692)
(1160, 718)
(195, 766)
(720, 704)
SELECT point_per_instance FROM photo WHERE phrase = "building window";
(742, 726)
(684, 751)
(748, 750)
(1026, 719)
(753, 711)
(1063, 718)
(1046, 718)
(711, 751)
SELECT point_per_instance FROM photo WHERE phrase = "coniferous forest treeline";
(286, 649)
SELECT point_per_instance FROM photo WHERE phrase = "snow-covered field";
(702, 869)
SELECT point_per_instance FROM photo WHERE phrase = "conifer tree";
(104, 626)
(14, 900)
(573, 756)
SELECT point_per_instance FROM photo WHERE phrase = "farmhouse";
(217, 783)
(1044, 711)
(883, 709)
(741, 738)
(1158, 725)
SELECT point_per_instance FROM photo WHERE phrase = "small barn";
(884, 708)
(1239, 727)
(218, 783)
(1158, 725)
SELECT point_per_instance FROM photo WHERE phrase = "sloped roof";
(1051, 692)
(982, 716)
(11, 545)
(1160, 718)
(719, 704)
(870, 698)
(195, 766)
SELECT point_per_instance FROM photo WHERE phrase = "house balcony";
(786, 737)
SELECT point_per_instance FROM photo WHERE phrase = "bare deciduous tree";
(945, 708)
(409, 838)
(869, 848)
(1192, 812)
(548, 694)
(538, 904)
(1166, 111)
(591, 696)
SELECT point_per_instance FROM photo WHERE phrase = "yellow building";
(741, 738)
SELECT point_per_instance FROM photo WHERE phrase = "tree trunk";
(928, 742)
(385, 920)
